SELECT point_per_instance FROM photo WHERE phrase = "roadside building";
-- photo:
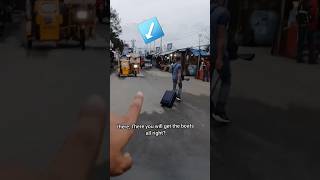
(268, 23)
(191, 60)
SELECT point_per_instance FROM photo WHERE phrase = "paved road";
(181, 154)
(275, 107)
(41, 94)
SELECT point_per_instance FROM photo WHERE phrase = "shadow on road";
(266, 142)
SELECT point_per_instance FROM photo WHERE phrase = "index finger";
(80, 150)
(135, 108)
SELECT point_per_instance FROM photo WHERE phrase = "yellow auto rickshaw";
(129, 66)
(124, 67)
(43, 20)
(55, 20)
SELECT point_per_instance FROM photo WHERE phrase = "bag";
(168, 99)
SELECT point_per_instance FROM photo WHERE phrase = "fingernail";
(140, 93)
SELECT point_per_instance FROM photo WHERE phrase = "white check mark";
(148, 36)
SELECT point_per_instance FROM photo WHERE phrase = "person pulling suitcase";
(177, 78)
(171, 96)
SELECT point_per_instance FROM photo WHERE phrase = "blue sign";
(150, 30)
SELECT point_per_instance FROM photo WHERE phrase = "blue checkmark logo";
(150, 30)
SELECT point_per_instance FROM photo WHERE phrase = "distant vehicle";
(141, 62)
(147, 63)
(55, 20)
(129, 65)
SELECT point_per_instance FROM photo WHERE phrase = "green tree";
(116, 30)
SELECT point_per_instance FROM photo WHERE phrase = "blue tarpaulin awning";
(195, 52)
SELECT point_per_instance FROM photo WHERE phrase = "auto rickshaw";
(55, 20)
(43, 21)
(123, 67)
(48, 19)
(129, 66)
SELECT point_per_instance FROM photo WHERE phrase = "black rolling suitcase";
(168, 99)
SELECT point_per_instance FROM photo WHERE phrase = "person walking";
(220, 18)
(307, 19)
(177, 77)
(207, 71)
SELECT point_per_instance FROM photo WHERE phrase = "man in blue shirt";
(177, 77)
(219, 21)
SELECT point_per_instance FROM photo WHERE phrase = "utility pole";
(199, 57)
(133, 45)
(161, 45)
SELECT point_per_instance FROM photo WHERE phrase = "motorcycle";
(135, 69)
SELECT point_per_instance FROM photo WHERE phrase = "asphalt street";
(182, 154)
(42, 90)
(274, 106)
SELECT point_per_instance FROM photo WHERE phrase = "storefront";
(191, 60)
(265, 23)
(255, 22)
(288, 36)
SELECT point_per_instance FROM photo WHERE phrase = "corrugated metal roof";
(195, 52)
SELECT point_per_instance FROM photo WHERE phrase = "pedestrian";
(177, 77)
(307, 19)
(207, 71)
(292, 20)
(203, 68)
(220, 18)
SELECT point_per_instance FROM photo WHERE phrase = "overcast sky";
(182, 20)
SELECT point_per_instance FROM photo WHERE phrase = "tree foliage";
(116, 29)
